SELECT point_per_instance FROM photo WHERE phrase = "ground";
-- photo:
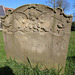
(20, 69)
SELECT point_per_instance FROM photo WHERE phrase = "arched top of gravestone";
(37, 18)
(40, 8)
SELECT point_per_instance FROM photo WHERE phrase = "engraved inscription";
(40, 45)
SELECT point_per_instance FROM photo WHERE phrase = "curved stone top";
(37, 18)
(40, 5)
(54, 10)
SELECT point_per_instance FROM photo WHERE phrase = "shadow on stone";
(6, 71)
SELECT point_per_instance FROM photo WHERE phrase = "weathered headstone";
(37, 32)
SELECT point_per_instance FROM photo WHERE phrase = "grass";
(71, 51)
(11, 67)
(70, 63)
(2, 49)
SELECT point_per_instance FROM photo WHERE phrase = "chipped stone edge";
(10, 11)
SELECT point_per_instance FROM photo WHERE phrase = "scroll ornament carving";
(29, 22)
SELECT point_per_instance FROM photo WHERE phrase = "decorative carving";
(30, 21)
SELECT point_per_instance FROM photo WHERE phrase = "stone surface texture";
(38, 32)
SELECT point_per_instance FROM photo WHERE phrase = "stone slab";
(38, 32)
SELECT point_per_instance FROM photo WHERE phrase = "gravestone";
(38, 32)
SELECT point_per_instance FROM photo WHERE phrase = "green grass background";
(22, 69)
